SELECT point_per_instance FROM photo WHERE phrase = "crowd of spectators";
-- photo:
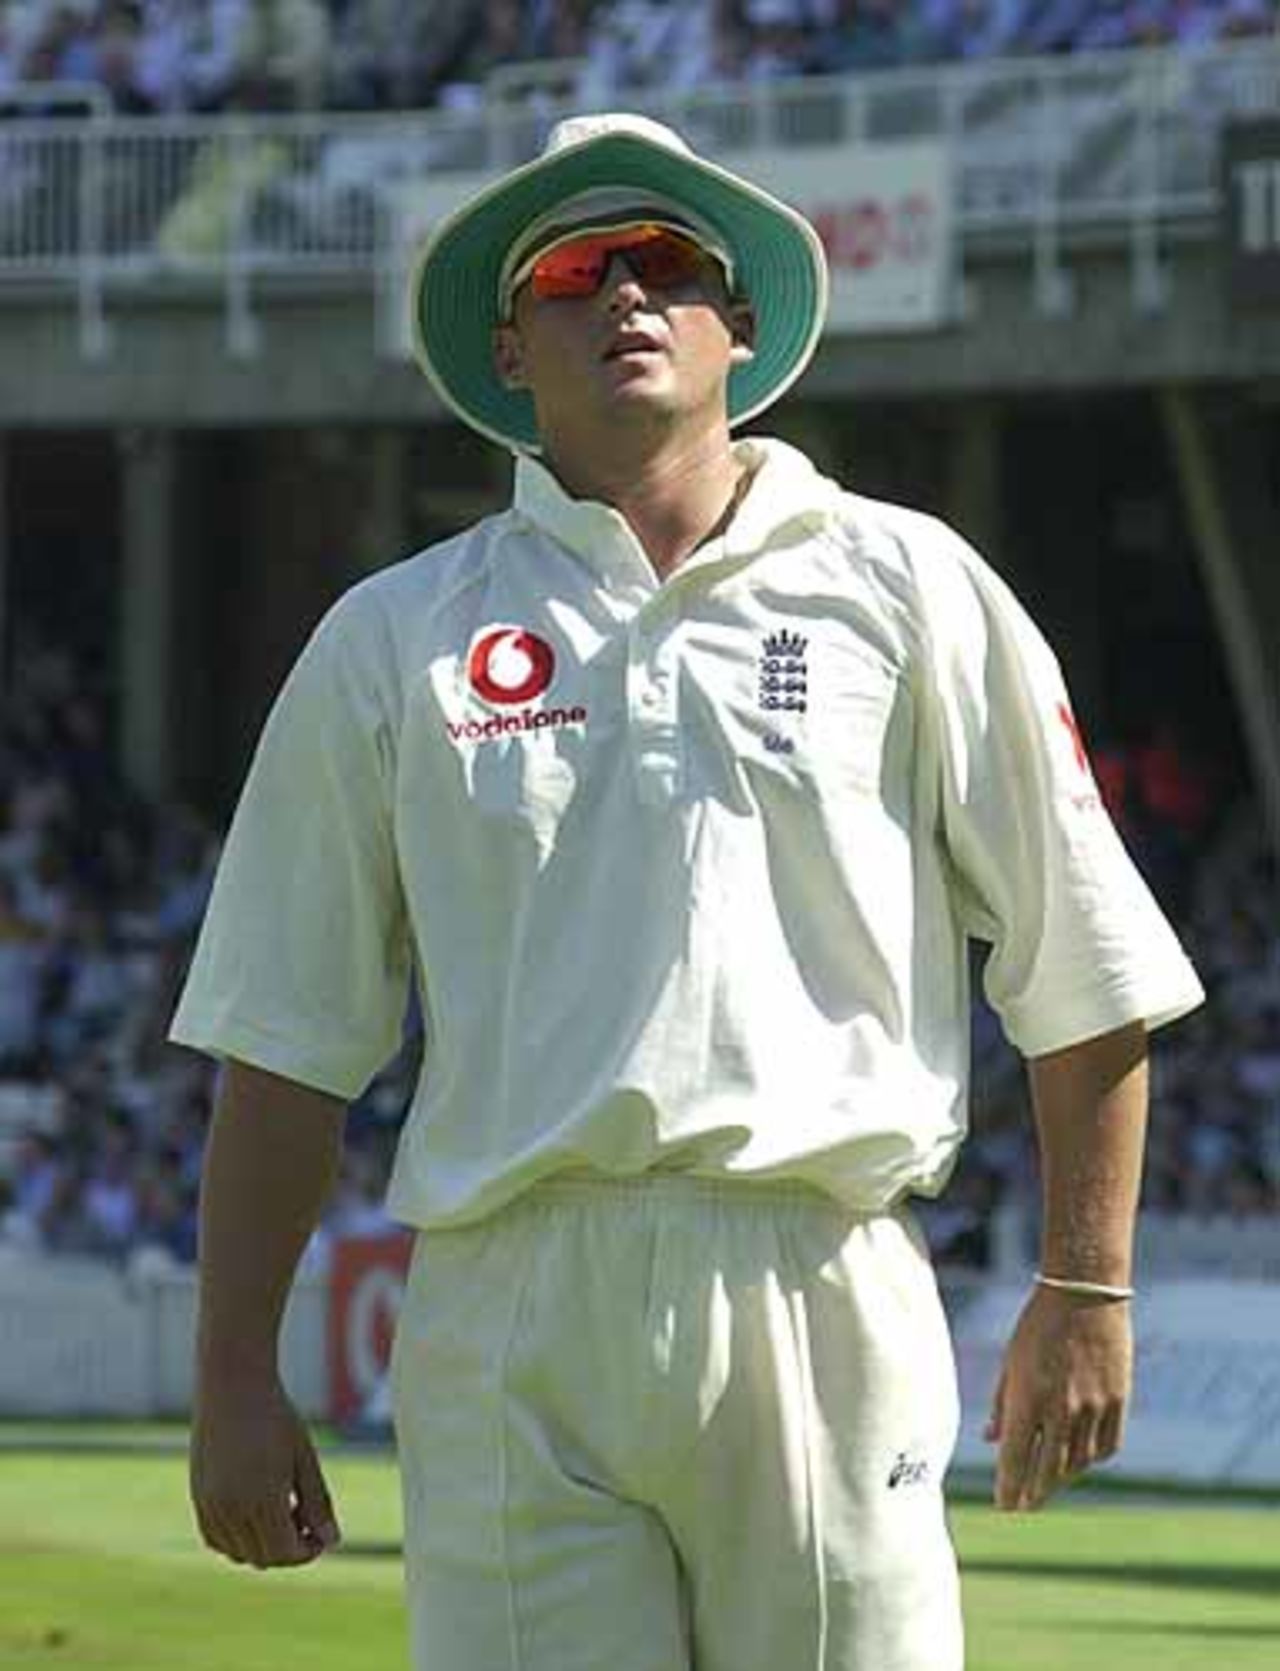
(102, 1122)
(170, 56)
(1214, 1142)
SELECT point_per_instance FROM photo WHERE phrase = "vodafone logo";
(510, 665)
(507, 668)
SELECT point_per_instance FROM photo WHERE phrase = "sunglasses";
(658, 256)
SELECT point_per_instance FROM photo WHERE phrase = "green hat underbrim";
(778, 260)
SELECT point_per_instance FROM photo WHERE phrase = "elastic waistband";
(674, 1189)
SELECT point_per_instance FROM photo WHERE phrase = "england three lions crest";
(784, 673)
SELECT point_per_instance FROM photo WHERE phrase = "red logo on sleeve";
(509, 665)
(1087, 800)
(1069, 720)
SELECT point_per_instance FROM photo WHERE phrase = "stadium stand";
(167, 56)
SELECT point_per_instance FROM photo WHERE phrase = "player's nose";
(621, 289)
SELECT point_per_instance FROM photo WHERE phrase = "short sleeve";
(1079, 945)
(302, 964)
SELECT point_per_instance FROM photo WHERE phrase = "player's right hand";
(256, 1486)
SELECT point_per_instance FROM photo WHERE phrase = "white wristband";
(1100, 1290)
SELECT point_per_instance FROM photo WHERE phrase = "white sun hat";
(593, 170)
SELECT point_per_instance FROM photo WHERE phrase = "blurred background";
(1054, 228)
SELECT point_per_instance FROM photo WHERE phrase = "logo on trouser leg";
(908, 1470)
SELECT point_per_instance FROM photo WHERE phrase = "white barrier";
(71, 1340)
(1206, 1407)
(78, 1338)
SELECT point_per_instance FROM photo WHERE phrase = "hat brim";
(778, 260)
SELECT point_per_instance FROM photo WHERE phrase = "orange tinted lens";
(667, 260)
(654, 254)
(575, 269)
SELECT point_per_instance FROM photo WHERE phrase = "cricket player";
(679, 788)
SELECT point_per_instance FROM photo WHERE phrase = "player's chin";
(637, 383)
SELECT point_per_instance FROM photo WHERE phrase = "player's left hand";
(1063, 1392)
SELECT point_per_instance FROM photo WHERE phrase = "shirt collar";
(787, 497)
(592, 530)
(785, 489)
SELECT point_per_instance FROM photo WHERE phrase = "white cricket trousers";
(677, 1425)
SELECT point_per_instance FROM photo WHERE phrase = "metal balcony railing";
(1119, 146)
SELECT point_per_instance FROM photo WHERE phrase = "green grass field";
(100, 1571)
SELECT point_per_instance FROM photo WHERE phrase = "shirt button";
(649, 699)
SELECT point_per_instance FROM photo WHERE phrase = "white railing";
(54, 98)
(80, 1337)
(1049, 153)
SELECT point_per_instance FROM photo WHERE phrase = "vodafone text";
(529, 719)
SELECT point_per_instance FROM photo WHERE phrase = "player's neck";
(674, 497)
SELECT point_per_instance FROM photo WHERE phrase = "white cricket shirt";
(686, 868)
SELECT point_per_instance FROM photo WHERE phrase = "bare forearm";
(270, 1165)
(1091, 1114)
(1064, 1386)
